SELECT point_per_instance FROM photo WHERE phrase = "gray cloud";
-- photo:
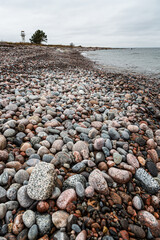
(116, 23)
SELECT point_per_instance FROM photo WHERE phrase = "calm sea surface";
(144, 61)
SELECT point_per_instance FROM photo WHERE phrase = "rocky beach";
(79, 148)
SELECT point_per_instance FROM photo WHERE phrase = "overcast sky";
(108, 23)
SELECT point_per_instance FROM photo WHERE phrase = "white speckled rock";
(98, 182)
(59, 219)
(42, 181)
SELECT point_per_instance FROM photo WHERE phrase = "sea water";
(144, 61)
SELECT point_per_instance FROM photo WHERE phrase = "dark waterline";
(144, 61)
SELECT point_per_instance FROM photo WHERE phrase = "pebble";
(23, 197)
(3, 210)
(133, 128)
(137, 202)
(80, 191)
(148, 220)
(42, 181)
(29, 218)
(59, 219)
(3, 142)
(3, 194)
(98, 182)
(9, 133)
(119, 176)
(72, 181)
(132, 160)
(151, 166)
(113, 134)
(99, 143)
(44, 223)
(82, 235)
(18, 224)
(33, 232)
(21, 176)
(82, 148)
(117, 158)
(65, 198)
(147, 181)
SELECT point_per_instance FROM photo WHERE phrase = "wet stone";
(71, 181)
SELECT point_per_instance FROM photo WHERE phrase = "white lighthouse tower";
(23, 36)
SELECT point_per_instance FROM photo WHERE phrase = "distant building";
(23, 36)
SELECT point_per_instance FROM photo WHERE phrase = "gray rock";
(9, 217)
(117, 158)
(72, 181)
(3, 194)
(108, 144)
(12, 191)
(11, 205)
(21, 176)
(23, 198)
(147, 181)
(33, 232)
(98, 182)
(79, 167)
(29, 218)
(9, 133)
(137, 202)
(47, 158)
(59, 235)
(3, 210)
(42, 181)
(44, 223)
(80, 189)
(4, 178)
(55, 194)
(61, 158)
(113, 134)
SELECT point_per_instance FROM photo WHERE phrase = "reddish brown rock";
(82, 148)
(96, 124)
(66, 197)
(18, 224)
(138, 231)
(115, 198)
(98, 182)
(148, 220)
(153, 154)
(42, 206)
(132, 160)
(124, 234)
(25, 146)
(133, 128)
(3, 142)
(119, 176)
(14, 164)
(151, 144)
(3, 155)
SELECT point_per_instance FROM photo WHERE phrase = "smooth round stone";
(137, 202)
(4, 178)
(9, 133)
(138, 231)
(3, 142)
(56, 193)
(29, 218)
(35, 156)
(61, 158)
(132, 160)
(33, 232)
(3, 194)
(82, 235)
(79, 167)
(21, 176)
(151, 166)
(44, 223)
(23, 198)
(117, 158)
(25, 146)
(12, 191)
(89, 192)
(60, 235)
(58, 144)
(12, 107)
(11, 205)
(30, 151)
(71, 181)
(133, 128)
(32, 162)
(98, 143)
(141, 141)
(119, 175)
(47, 158)
(154, 156)
(59, 219)
(108, 144)
(65, 198)
(147, 219)
(3, 210)
(113, 134)
(98, 182)
(106, 151)
(80, 190)
(92, 133)
(151, 144)
(100, 157)
(125, 135)
(76, 228)
(42, 150)
(3, 155)
(8, 217)
(82, 148)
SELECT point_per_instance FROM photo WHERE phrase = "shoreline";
(79, 149)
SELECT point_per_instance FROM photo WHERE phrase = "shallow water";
(136, 60)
